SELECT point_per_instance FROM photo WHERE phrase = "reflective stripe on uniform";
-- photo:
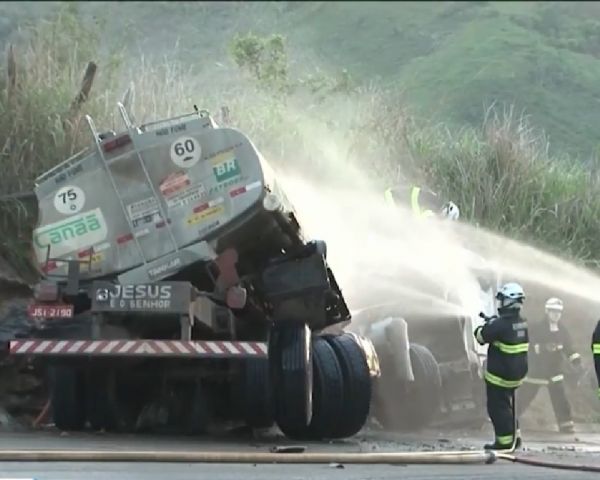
(570, 423)
(504, 439)
(512, 349)
(414, 200)
(535, 381)
(596, 348)
(501, 382)
(557, 378)
(389, 198)
(574, 356)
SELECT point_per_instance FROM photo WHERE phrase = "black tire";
(328, 392)
(357, 385)
(102, 409)
(291, 373)
(257, 409)
(201, 411)
(328, 396)
(67, 396)
(412, 406)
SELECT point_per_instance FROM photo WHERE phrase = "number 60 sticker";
(185, 152)
(69, 200)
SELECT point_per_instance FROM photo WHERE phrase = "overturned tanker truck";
(176, 279)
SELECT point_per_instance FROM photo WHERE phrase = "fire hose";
(403, 458)
(392, 458)
(385, 458)
(533, 462)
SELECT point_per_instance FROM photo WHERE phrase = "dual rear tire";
(322, 385)
(311, 387)
(77, 398)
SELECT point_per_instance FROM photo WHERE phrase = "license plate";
(50, 311)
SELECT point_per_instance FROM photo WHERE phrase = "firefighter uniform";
(422, 202)
(508, 339)
(596, 353)
(549, 347)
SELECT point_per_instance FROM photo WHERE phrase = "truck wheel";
(328, 393)
(413, 405)
(100, 400)
(328, 396)
(257, 408)
(200, 410)
(290, 365)
(357, 385)
(67, 396)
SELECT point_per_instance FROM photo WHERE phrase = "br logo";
(226, 170)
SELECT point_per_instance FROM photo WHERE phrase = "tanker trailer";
(176, 277)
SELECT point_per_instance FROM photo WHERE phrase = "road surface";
(551, 447)
(128, 471)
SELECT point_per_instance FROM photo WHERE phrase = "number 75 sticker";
(69, 200)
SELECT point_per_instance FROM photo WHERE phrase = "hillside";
(451, 59)
(424, 72)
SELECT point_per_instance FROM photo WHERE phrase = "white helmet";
(554, 304)
(554, 308)
(511, 295)
(450, 211)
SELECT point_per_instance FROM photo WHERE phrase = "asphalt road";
(129, 471)
(584, 451)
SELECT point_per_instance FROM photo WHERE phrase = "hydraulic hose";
(401, 458)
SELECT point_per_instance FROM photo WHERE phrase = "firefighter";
(596, 353)
(508, 340)
(551, 343)
(423, 202)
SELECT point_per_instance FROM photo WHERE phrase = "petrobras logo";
(225, 166)
(71, 234)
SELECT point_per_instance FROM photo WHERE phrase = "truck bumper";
(138, 348)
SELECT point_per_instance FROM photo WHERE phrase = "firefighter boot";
(497, 446)
(567, 427)
(504, 446)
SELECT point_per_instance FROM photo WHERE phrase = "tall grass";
(500, 174)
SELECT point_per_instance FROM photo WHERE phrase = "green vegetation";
(450, 59)
(498, 169)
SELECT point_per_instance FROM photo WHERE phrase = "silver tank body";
(146, 202)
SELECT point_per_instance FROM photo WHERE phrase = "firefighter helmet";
(450, 211)
(511, 295)
(554, 308)
(554, 304)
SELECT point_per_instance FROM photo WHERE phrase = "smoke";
(383, 254)
(377, 252)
